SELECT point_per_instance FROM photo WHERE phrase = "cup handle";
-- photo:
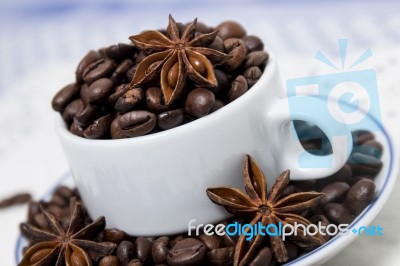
(291, 154)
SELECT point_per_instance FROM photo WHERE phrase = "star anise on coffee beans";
(71, 247)
(266, 209)
(177, 55)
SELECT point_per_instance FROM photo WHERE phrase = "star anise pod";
(177, 56)
(71, 247)
(266, 209)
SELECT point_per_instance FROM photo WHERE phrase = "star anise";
(177, 56)
(266, 209)
(71, 247)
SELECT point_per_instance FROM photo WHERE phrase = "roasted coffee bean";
(252, 75)
(98, 90)
(76, 129)
(321, 219)
(345, 174)
(100, 69)
(137, 122)
(238, 88)
(125, 252)
(188, 251)
(109, 261)
(72, 109)
(257, 58)
(65, 96)
(176, 239)
(89, 58)
(199, 102)
(159, 251)
(220, 256)
(237, 50)
(375, 144)
(170, 119)
(119, 91)
(155, 100)
(120, 51)
(337, 213)
(100, 128)
(121, 70)
(333, 192)
(114, 235)
(253, 43)
(87, 115)
(363, 164)
(359, 196)
(135, 262)
(262, 258)
(130, 100)
(223, 82)
(371, 148)
(361, 136)
(218, 104)
(143, 249)
(217, 44)
(211, 241)
(131, 72)
(229, 241)
(202, 27)
(16, 199)
(230, 29)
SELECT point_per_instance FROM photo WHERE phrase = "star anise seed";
(66, 247)
(176, 57)
(266, 209)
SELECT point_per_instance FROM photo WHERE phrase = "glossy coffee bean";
(100, 128)
(135, 262)
(143, 249)
(109, 261)
(130, 100)
(230, 29)
(371, 148)
(237, 50)
(220, 256)
(176, 239)
(257, 58)
(125, 252)
(100, 69)
(170, 119)
(159, 251)
(333, 192)
(120, 51)
(217, 105)
(133, 124)
(89, 58)
(238, 88)
(252, 75)
(253, 43)
(217, 44)
(87, 115)
(202, 27)
(223, 82)
(199, 102)
(363, 164)
(114, 235)
(262, 257)
(72, 109)
(76, 129)
(155, 100)
(121, 70)
(65, 96)
(321, 219)
(360, 195)
(119, 91)
(337, 213)
(361, 136)
(188, 251)
(211, 241)
(98, 90)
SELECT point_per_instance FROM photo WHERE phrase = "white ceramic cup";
(156, 184)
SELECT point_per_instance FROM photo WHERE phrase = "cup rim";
(197, 124)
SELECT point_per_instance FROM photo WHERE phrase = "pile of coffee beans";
(100, 104)
(347, 193)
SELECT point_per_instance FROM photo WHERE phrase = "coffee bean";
(262, 258)
(120, 51)
(363, 164)
(257, 58)
(125, 252)
(229, 241)
(345, 174)
(135, 262)
(199, 102)
(252, 75)
(87, 115)
(100, 69)
(143, 249)
(189, 251)
(100, 128)
(211, 241)
(217, 44)
(89, 58)
(130, 100)
(155, 100)
(217, 105)
(337, 213)
(119, 91)
(170, 119)
(109, 261)
(361, 136)
(131, 72)
(333, 192)
(72, 109)
(220, 256)
(238, 88)
(360, 195)
(121, 70)
(202, 27)
(76, 129)
(230, 29)
(375, 144)
(16, 199)
(371, 148)
(237, 50)
(176, 239)
(223, 82)
(159, 251)
(137, 123)
(114, 235)
(292, 250)
(321, 219)
(253, 43)
(98, 90)
(65, 96)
